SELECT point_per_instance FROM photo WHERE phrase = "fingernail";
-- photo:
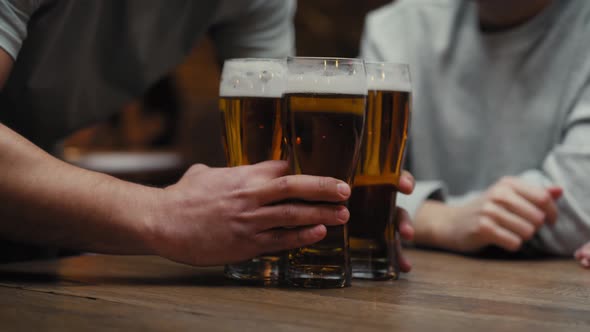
(343, 190)
(343, 214)
(318, 231)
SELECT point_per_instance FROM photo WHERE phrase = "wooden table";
(444, 293)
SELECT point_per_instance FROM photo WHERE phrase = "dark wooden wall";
(323, 28)
(332, 27)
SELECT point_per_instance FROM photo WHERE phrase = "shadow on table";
(526, 253)
(494, 253)
(200, 279)
(212, 279)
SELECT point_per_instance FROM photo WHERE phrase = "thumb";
(555, 192)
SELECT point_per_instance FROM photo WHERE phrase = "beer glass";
(325, 105)
(250, 104)
(374, 237)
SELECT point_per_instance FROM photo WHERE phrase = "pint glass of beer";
(250, 104)
(373, 230)
(324, 106)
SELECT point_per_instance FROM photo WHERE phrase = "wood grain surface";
(445, 292)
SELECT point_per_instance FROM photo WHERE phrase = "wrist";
(142, 213)
(431, 220)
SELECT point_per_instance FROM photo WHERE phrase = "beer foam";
(252, 78)
(388, 85)
(318, 82)
(388, 76)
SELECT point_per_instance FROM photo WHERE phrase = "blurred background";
(177, 123)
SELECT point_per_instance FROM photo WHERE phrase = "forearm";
(48, 202)
(425, 206)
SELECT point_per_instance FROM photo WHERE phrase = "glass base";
(374, 260)
(325, 264)
(313, 276)
(374, 269)
(264, 269)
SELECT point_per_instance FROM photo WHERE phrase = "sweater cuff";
(423, 191)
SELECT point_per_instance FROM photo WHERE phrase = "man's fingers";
(406, 230)
(404, 264)
(518, 205)
(535, 194)
(406, 183)
(539, 196)
(271, 168)
(294, 215)
(492, 233)
(284, 239)
(303, 187)
(509, 220)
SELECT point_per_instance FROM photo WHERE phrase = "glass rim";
(324, 58)
(387, 63)
(252, 59)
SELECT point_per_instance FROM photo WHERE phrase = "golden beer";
(250, 104)
(323, 130)
(326, 132)
(373, 230)
(252, 129)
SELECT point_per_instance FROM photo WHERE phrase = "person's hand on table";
(506, 215)
(223, 215)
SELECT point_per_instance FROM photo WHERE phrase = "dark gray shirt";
(78, 61)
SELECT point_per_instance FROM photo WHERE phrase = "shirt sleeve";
(14, 16)
(255, 28)
(423, 190)
(567, 165)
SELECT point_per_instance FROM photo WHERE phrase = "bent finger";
(404, 264)
(494, 234)
(406, 230)
(303, 187)
(520, 206)
(540, 197)
(406, 183)
(510, 221)
(298, 214)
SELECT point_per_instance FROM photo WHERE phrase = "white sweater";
(489, 105)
